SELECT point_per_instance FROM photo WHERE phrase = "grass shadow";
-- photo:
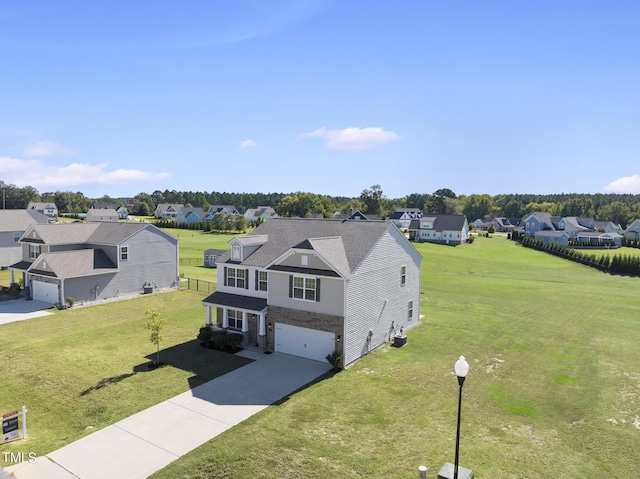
(103, 383)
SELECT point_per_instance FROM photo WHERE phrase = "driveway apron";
(146, 442)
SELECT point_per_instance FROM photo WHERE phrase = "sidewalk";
(137, 446)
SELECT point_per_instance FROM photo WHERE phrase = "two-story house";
(123, 213)
(91, 261)
(308, 287)
(48, 209)
(168, 210)
(13, 224)
(402, 216)
(445, 229)
(190, 215)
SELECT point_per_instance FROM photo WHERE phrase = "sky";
(328, 96)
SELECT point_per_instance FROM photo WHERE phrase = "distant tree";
(372, 199)
(240, 223)
(416, 200)
(616, 212)
(302, 204)
(437, 203)
(478, 207)
(512, 209)
(351, 206)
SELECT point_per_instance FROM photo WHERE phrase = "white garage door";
(304, 342)
(46, 292)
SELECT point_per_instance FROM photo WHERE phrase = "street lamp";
(462, 368)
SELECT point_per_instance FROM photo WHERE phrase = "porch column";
(245, 323)
(225, 318)
(208, 315)
(12, 278)
(262, 329)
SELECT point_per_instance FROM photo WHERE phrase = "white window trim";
(235, 318)
(236, 278)
(304, 288)
(263, 281)
(403, 275)
(124, 253)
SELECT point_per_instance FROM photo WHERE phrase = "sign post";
(10, 429)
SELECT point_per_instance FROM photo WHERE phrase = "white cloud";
(38, 174)
(249, 144)
(626, 184)
(353, 139)
(46, 148)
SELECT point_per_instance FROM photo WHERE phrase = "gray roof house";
(261, 212)
(444, 229)
(633, 230)
(13, 224)
(168, 210)
(402, 216)
(228, 209)
(47, 209)
(190, 215)
(102, 214)
(356, 215)
(309, 287)
(92, 261)
(123, 213)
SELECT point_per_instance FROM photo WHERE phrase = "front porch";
(239, 314)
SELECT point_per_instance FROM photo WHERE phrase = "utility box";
(399, 340)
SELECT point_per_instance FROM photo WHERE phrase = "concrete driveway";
(139, 445)
(21, 309)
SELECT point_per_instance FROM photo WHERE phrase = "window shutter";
(256, 282)
(291, 286)
(225, 275)
(246, 279)
(317, 289)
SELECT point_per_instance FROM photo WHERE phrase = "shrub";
(205, 334)
(220, 339)
(14, 289)
(70, 301)
(234, 340)
(335, 359)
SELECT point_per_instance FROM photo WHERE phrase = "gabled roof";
(441, 222)
(169, 206)
(73, 264)
(222, 209)
(186, 212)
(41, 206)
(343, 243)
(20, 220)
(96, 233)
(105, 206)
(543, 218)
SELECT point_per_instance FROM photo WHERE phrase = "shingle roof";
(74, 264)
(20, 220)
(97, 233)
(441, 222)
(236, 301)
(356, 238)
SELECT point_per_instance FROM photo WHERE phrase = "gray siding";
(376, 300)
(313, 262)
(331, 295)
(87, 288)
(152, 258)
(10, 250)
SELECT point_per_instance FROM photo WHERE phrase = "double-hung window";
(403, 276)
(261, 280)
(34, 251)
(307, 289)
(410, 310)
(124, 253)
(235, 319)
(16, 236)
(236, 277)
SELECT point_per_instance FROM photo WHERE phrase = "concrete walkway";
(137, 446)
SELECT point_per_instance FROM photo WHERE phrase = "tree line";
(617, 208)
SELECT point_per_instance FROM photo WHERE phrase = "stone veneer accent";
(303, 319)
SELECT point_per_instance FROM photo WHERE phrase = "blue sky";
(120, 97)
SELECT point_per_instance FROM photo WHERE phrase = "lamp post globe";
(462, 369)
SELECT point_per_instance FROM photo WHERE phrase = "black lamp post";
(462, 368)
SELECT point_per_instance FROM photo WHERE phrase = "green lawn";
(82, 369)
(553, 390)
(5, 277)
(193, 245)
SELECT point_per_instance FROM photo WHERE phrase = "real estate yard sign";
(10, 430)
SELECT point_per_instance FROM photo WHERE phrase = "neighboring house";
(13, 224)
(211, 257)
(445, 229)
(571, 229)
(167, 210)
(355, 215)
(308, 287)
(228, 209)
(402, 216)
(48, 209)
(261, 212)
(91, 261)
(597, 238)
(501, 224)
(123, 213)
(633, 230)
(102, 214)
(190, 215)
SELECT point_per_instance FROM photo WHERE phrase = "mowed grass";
(82, 369)
(193, 244)
(553, 389)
